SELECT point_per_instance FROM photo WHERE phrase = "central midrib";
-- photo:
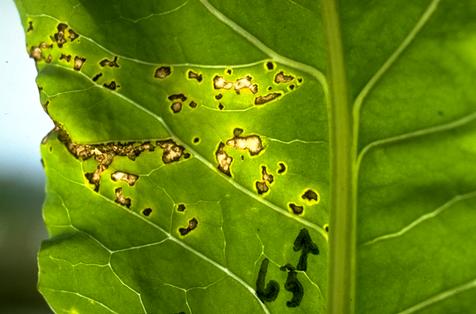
(342, 222)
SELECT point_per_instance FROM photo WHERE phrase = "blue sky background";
(23, 123)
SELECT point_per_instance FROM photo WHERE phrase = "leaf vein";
(456, 199)
(318, 75)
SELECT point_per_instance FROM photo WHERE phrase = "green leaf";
(203, 148)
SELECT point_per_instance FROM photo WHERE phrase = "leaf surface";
(191, 169)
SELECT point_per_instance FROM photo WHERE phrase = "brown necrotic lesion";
(111, 63)
(223, 159)
(124, 176)
(310, 195)
(266, 178)
(282, 168)
(283, 78)
(78, 62)
(240, 84)
(172, 152)
(121, 199)
(195, 76)
(261, 100)
(297, 209)
(177, 100)
(111, 85)
(59, 37)
(192, 225)
(162, 72)
(251, 143)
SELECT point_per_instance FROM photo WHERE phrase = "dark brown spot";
(44, 45)
(224, 161)
(299, 80)
(147, 211)
(111, 86)
(261, 187)
(124, 176)
(97, 76)
(72, 35)
(237, 132)
(283, 78)
(218, 97)
(292, 86)
(229, 71)
(195, 76)
(270, 65)
(181, 207)
(30, 26)
(193, 104)
(192, 224)
(186, 155)
(35, 53)
(282, 168)
(48, 59)
(120, 199)
(260, 100)
(265, 176)
(67, 58)
(326, 227)
(251, 143)
(196, 140)
(78, 62)
(110, 63)
(296, 208)
(59, 37)
(180, 97)
(171, 151)
(162, 72)
(310, 195)
(176, 107)
(220, 106)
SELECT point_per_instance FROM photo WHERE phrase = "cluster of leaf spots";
(309, 196)
(177, 100)
(63, 35)
(44, 50)
(226, 86)
(269, 292)
(104, 155)
(240, 84)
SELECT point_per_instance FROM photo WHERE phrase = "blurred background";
(23, 123)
